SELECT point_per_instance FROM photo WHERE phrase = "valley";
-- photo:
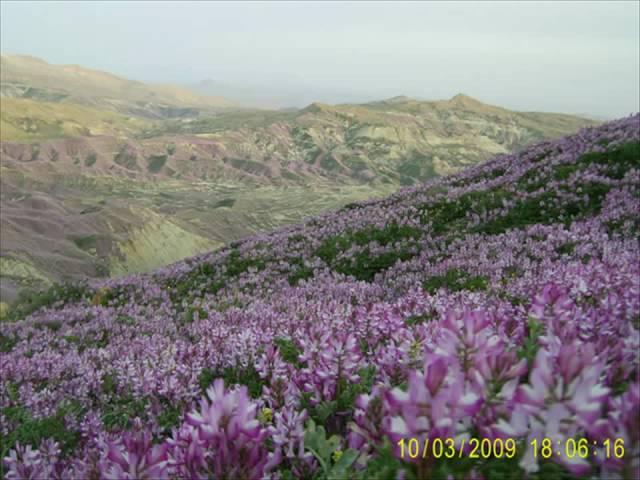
(101, 176)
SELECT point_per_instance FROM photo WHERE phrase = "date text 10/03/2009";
(412, 448)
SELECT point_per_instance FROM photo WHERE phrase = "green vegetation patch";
(250, 166)
(447, 215)
(547, 209)
(32, 431)
(127, 159)
(29, 301)
(7, 342)
(226, 202)
(418, 167)
(491, 175)
(90, 159)
(208, 278)
(365, 265)
(456, 280)
(119, 413)
(329, 163)
(627, 226)
(156, 162)
(86, 242)
(566, 248)
(617, 162)
(234, 375)
(289, 351)
(299, 272)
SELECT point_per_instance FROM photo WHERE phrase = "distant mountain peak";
(29, 58)
(399, 99)
(316, 107)
(465, 101)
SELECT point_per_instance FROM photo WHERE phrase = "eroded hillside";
(99, 178)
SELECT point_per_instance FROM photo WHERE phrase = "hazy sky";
(580, 57)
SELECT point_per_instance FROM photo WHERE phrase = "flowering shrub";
(502, 302)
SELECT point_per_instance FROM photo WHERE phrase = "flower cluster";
(500, 302)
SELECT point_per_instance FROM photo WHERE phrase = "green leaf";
(346, 460)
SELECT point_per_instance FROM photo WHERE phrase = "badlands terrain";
(102, 176)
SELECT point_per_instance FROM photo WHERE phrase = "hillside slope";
(26, 77)
(502, 302)
(135, 193)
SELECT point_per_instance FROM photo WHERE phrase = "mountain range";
(102, 176)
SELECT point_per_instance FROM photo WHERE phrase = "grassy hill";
(29, 120)
(23, 76)
(499, 303)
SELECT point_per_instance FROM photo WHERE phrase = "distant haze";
(573, 57)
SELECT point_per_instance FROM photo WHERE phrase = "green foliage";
(563, 172)
(531, 181)
(225, 202)
(206, 378)
(385, 466)
(35, 151)
(236, 375)
(250, 166)
(89, 341)
(418, 167)
(90, 159)
(32, 431)
(566, 248)
(364, 265)
(7, 342)
(334, 465)
(456, 280)
(448, 215)
(420, 319)
(125, 320)
(288, 350)
(156, 162)
(530, 347)
(206, 276)
(85, 242)
(502, 468)
(300, 273)
(329, 163)
(236, 264)
(189, 315)
(120, 411)
(495, 173)
(171, 149)
(109, 383)
(30, 301)
(616, 162)
(335, 413)
(170, 416)
(626, 225)
(351, 206)
(530, 210)
(348, 391)
(126, 158)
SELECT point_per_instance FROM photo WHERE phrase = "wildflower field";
(501, 304)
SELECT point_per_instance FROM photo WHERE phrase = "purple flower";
(135, 457)
(222, 438)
